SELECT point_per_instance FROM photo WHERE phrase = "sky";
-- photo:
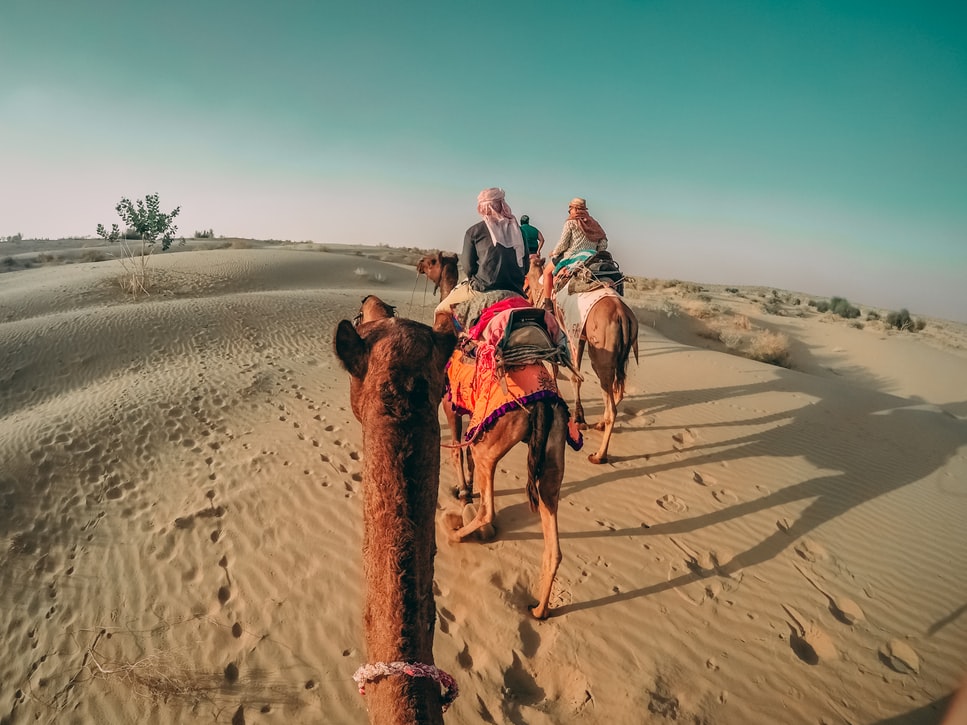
(818, 147)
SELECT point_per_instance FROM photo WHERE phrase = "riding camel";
(543, 425)
(610, 334)
(396, 372)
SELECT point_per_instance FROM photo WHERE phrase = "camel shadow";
(867, 446)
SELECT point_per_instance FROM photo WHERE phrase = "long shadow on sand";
(875, 442)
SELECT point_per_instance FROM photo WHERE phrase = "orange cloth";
(477, 390)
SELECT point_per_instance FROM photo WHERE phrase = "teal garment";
(530, 235)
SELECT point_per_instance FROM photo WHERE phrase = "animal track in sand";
(684, 438)
(703, 479)
(900, 657)
(843, 608)
(811, 551)
(723, 495)
(670, 502)
(809, 642)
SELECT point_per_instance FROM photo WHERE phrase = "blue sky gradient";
(819, 147)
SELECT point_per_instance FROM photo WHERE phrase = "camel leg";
(550, 561)
(576, 384)
(607, 426)
(462, 490)
(483, 519)
(550, 495)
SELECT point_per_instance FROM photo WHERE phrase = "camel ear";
(350, 349)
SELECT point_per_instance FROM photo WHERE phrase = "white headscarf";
(501, 222)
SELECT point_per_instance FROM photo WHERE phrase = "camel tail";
(542, 416)
(626, 345)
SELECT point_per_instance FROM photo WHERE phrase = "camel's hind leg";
(576, 384)
(549, 490)
(486, 452)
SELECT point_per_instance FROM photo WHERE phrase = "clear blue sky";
(813, 146)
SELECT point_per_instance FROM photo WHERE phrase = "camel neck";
(400, 480)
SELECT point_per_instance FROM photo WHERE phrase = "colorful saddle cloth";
(475, 388)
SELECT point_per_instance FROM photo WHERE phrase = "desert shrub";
(769, 347)
(903, 321)
(772, 307)
(9, 262)
(48, 258)
(841, 306)
(204, 234)
(872, 315)
(151, 225)
(731, 338)
(733, 290)
(857, 324)
(821, 306)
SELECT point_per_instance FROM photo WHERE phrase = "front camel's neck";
(400, 480)
(448, 278)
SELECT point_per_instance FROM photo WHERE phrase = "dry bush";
(741, 322)
(731, 338)
(769, 347)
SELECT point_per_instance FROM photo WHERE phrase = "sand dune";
(180, 482)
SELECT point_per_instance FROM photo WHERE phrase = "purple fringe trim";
(491, 419)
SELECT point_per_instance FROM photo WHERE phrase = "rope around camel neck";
(377, 670)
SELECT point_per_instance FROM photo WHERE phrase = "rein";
(378, 670)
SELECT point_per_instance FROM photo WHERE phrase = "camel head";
(396, 366)
(373, 308)
(437, 267)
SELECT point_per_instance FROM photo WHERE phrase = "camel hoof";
(453, 522)
(539, 612)
(599, 426)
(595, 458)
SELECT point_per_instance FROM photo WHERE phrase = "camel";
(396, 372)
(441, 269)
(542, 425)
(610, 334)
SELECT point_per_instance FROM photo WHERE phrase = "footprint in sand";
(810, 643)
(670, 502)
(811, 551)
(843, 608)
(900, 657)
(684, 438)
(723, 495)
(703, 479)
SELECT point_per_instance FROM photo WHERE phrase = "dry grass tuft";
(769, 347)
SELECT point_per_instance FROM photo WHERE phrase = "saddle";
(598, 271)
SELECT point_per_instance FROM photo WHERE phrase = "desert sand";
(180, 516)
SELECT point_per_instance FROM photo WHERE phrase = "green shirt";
(530, 237)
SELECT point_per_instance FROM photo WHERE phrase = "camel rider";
(581, 238)
(493, 256)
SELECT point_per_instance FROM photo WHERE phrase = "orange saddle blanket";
(474, 388)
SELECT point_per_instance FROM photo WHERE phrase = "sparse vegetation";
(204, 234)
(903, 321)
(769, 347)
(151, 225)
(18, 237)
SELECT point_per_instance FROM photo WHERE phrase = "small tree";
(143, 220)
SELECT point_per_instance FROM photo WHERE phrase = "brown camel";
(396, 372)
(441, 269)
(610, 334)
(542, 425)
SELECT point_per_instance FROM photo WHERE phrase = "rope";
(378, 670)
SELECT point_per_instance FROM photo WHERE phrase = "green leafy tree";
(145, 223)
